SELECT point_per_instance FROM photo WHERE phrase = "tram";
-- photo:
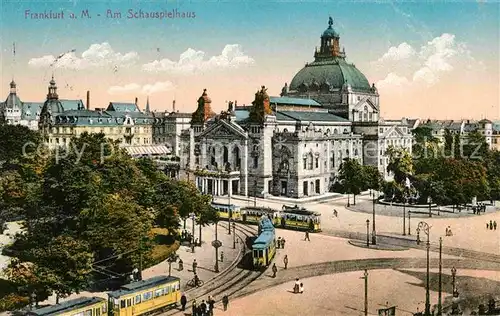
(264, 247)
(253, 214)
(228, 211)
(295, 217)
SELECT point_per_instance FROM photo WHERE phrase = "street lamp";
(423, 226)
(255, 193)
(192, 237)
(429, 200)
(409, 218)
(367, 233)
(404, 213)
(365, 277)
(215, 245)
(440, 272)
(234, 235)
(454, 306)
(374, 235)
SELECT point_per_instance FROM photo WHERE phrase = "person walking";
(211, 305)
(307, 236)
(301, 288)
(225, 302)
(194, 308)
(275, 269)
(279, 242)
(335, 213)
(487, 226)
(296, 286)
(183, 301)
(203, 308)
(283, 243)
(195, 265)
(495, 225)
(491, 225)
(285, 261)
(222, 256)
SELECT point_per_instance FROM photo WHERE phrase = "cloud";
(192, 61)
(97, 55)
(402, 52)
(393, 80)
(434, 59)
(147, 89)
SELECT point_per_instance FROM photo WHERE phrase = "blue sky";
(279, 36)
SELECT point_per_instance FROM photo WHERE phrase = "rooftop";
(66, 306)
(144, 284)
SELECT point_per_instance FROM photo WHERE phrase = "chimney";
(136, 101)
(88, 100)
(173, 105)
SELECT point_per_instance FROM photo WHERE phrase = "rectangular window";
(129, 302)
(97, 312)
(317, 162)
(138, 299)
(158, 292)
(147, 296)
(305, 163)
(317, 186)
(122, 304)
(255, 162)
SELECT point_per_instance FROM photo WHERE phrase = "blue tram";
(228, 211)
(264, 247)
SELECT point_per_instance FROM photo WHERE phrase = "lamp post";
(454, 307)
(374, 234)
(192, 237)
(409, 218)
(439, 313)
(234, 235)
(367, 233)
(365, 277)
(453, 275)
(423, 226)
(429, 200)
(255, 193)
(404, 214)
(216, 268)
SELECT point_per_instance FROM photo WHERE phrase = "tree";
(400, 163)
(492, 165)
(17, 143)
(475, 146)
(373, 179)
(449, 143)
(352, 177)
(206, 213)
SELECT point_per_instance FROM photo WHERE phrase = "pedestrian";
(211, 305)
(491, 225)
(222, 256)
(194, 308)
(274, 270)
(225, 302)
(195, 264)
(279, 242)
(296, 286)
(196, 242)
(495, 225)
(283, 243)
(301, 288)
(183, 301)
(285, 261)
(307, 236)
(335, 213)
(446, 231)
(487, 226)
(203, 308)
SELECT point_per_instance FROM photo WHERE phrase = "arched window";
(365, 114)
(236, 157)
(225, 155)
(356, 152)
(335, 131)
(310, 161)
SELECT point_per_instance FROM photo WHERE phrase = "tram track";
(232, 279)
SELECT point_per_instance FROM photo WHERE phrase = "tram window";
(159, 292)
(117, 303)
(122, 303)
(97, 312)
(261, 253)
(104, 308)
(129, 303)
(138, 299)
(79, 314)
(147, 296)
(88, 312)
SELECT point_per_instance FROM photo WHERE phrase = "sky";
(429, 59)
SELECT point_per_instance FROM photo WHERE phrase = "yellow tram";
(253, 214)
(144, 296)
(295, 217)
(228, 211)
(83, 306)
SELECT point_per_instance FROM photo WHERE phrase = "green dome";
(330, 74)
(330, 32)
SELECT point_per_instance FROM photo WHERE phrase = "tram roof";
(142, 285)
(260, 209)
(65, 306)
(231, 206)
(299, 211)
(263, 240)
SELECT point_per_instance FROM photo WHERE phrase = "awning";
(156, 150)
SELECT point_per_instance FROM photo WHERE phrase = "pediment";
(360, 106)
(394, 131)
(223, 129)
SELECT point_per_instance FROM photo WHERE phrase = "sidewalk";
(204, 255)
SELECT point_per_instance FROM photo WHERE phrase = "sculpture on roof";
(261, 106)
(203, 111)
(330, 21)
